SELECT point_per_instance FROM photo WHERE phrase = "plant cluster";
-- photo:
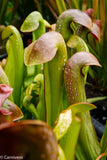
(48, 78)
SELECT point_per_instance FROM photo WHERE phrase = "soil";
(100, 113)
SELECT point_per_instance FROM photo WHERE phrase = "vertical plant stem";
(61, 5)
(73, 131)
(3, 7)
(47, 91)
(15, 66)
(53, 72)
(75, 4)
(50, 49)
(75, 88)
(95, 7)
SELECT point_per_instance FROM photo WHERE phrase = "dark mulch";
(99, 115)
